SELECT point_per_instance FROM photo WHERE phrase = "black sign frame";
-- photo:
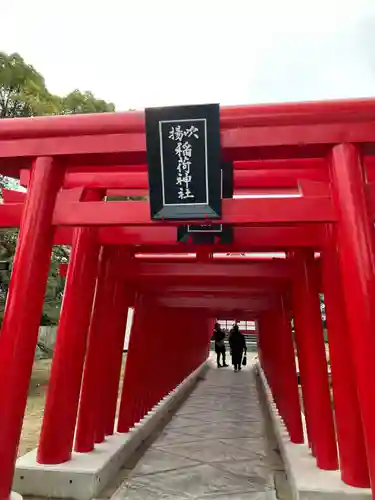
(206, 236)
(163, 163)
(208, 233)
(227, 182)
(204, 228)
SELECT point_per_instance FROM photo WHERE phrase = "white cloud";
(146, 52)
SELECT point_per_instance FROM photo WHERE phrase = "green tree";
(23, 93)
(83, 102)
(22, 89)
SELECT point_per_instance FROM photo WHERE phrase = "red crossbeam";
(164, 239)
(236, 212)
(232, 117)
(247, 132)
(255, 304)
(256, 173)
(280, 269)
(190, 289)
(242, 179)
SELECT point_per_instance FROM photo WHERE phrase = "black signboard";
(205, 233)
(227, 185)
(205, 228)
(209, 233)
(183, 156)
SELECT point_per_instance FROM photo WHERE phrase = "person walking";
(237, 346)
(219, 337)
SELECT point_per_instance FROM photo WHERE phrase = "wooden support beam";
(247, 132)
(189, 270)
(138, 180)
(10, 214)
(246, 289)
(235, 212)
(223, 304)
(163, 239)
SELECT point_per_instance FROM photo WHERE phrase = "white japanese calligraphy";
(177, 133)
(183, 152)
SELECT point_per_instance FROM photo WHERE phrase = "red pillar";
(121, 302)
(166, 345)
(278, 370)
(150, 392)
(186, 343)
(23, 310)
(90, 427)
(313, 363)
(183, 342)
(60, 414)
(154, 343)
(353, 459)
(274, 320)
(169, 335)
(272, 363)
(133, 371)
(268, 353)
(260, 345)
(273, 340)
(291, 407)
(260, 341)
(153, 326)
(202, 327)
(304, 372)
(357, 265)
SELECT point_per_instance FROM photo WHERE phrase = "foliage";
(23, 93)
(83, 102)
(45, 320)
(55, 283)
(8, 242)
(22, 89)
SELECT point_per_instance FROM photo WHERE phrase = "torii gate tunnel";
(300, 181)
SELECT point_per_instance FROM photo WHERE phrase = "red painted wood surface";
(277, 150)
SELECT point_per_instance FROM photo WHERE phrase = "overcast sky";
(140, 53)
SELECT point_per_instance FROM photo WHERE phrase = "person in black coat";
(237, 346)
(219, 337)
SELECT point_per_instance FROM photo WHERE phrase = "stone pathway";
(215, 447)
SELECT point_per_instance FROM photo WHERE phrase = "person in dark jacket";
(237, 346)
(219, 337)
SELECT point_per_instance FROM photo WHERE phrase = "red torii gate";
(318, 155)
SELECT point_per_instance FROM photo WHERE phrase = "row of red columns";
(160, 337)
(90, 333)
(88, 348)
(357, 270)
(99, 393)
(348, 283)
(313, 362)
(353, 266)
(91, 421)
(60, 413)
(277, 358)
(350, 439)
(21, 322)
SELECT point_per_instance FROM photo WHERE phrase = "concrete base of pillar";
(87, 474)
(306, 480)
